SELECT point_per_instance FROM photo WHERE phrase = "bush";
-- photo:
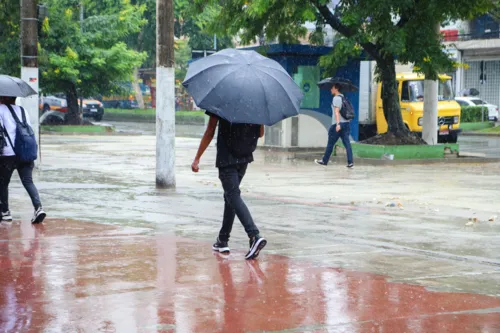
(472, 114)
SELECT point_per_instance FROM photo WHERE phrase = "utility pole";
(430, 122)
(29, 60)
(165, 95)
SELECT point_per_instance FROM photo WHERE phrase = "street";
(482, 146)
(393, 249)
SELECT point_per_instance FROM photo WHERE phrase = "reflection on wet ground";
(70, 276)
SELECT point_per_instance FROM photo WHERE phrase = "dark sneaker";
(257, 243)
(350, 166)
(6, 216)
(220, 246)
(39, 216)
(320, 162)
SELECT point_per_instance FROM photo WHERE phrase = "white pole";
(430, 123)
(29, 61)
(165, 95)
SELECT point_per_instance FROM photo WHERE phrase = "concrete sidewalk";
(345, 246)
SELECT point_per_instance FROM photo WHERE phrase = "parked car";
(54, 103)
(92, 108)
(493, 113)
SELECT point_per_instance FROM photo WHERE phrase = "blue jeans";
(231, 178)
(7, 166)
(333, 137)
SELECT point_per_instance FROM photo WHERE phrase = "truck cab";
(411, 94)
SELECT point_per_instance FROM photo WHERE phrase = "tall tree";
(88, 58)
(385, 29)
(10, 63)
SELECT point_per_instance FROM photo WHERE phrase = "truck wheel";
(98, 117)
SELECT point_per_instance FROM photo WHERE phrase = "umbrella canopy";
(346, 85)
(243, 87)
(14, 87)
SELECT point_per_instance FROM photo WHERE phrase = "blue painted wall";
(293, 56)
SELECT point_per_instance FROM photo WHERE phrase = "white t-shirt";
(9, 123)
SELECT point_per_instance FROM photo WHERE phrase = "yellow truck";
(411, 93)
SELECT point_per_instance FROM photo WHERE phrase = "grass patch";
(491, 130)
(152, 112)
(470, 127)
(76, 129)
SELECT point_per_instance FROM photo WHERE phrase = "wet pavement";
(375, 249)
(70, 276)
(477, 146)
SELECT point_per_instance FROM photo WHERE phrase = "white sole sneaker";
(256, 248)
(40, 215)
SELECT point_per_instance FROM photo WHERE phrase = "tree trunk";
(74, 115)
(137, 89)
(390, 97)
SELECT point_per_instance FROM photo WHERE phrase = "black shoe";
(257, 243)
(320, 162)
(6, 216)
(39, 216)
(220, 246)
(350, 166)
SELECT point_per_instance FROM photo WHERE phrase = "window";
(478, 102)
(416, 90)
(405, 94)
(462, 103)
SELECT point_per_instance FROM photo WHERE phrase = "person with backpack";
(18, 151)
(343, 113)
(235, 146)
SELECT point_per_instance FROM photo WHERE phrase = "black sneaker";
(39, 216)
(257, 243)
(320, 162)
(350, 166)
(220, 246)
(6, 216)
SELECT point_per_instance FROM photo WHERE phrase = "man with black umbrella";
(235, 146)
(340, 128)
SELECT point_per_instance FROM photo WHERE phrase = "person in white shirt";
(9, 162)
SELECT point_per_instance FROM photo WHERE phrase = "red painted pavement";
(70, 276)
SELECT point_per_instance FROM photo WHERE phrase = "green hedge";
(471, 114)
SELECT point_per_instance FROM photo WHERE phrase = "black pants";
(7, 166)
(231, 178)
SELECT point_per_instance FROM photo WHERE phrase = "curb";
(380, 162)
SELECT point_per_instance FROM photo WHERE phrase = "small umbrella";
(14, 87)
(346, 85)
(243, 87)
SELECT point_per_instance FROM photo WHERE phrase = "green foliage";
(472, 114)
(94, 59)
(386, 30)
(10, 62)
(182, 56)
(399, 29)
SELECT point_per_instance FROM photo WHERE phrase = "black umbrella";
(346, 85)
(14, 87)
(243, 87)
